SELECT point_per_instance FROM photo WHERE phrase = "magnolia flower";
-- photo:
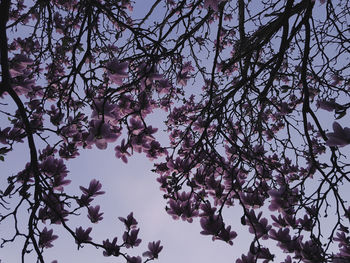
(116, 71)
(135, 126)
(111, 248)
(121, 151)
(182, 78)
(183, 75)
(46, 237)
(257, 225)
(207, 210)
(213, 4)
(131, 239)
(288, 259)
(82, 235)
(54, 209)
(101, 133)
(23, 83)
(211, 225)
(164, 86)
(94, 214)
(340, 137)
(59, 182)
(109, 111)
(59, 23)
(129, 221)
(94, 188)
(175, 209)
(84, 200)
(339, 259)
(153, 249)
(330, 105)
(56, 116)
(279, 221)
(19, 64)
(249, 258)
(133, 259)
(227, 235)
(4, 134)
(311, 252)
(336, 79)
(68, 151)
(150, 72)
(53, 167)
(282, 235)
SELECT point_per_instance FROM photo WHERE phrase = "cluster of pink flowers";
(91, 75)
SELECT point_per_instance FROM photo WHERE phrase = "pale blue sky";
(129, 187)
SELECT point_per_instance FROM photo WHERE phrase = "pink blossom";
(336, 78)
(19, 64)
(227, 235)
(213, 4)
(59, 23)
(182, 78)
(153, 249)
(257, 225)
(53, 167)
(46, 237)
(211, 225)
(116, 71)
(328, 105)
(54, 209)
(340, 137)
(121, 151)
(94, 188)
(282, 235)
(111, 249)
(94, 214)
(288, 259)
(82, 235)
(102, 133)
(134, 259)
(164, 86)
(175, 209)
(149, 72)
(24, 84)
(129, 221)
(136, 125)
(247, 259)
(110, 112)
(4, 135)
(131, 238)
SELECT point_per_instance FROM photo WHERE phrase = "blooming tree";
(244, 84)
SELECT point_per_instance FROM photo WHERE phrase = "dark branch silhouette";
(245, 85)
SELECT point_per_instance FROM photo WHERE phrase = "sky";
(129, 188)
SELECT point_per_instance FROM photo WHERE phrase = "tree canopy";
(245, 87)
